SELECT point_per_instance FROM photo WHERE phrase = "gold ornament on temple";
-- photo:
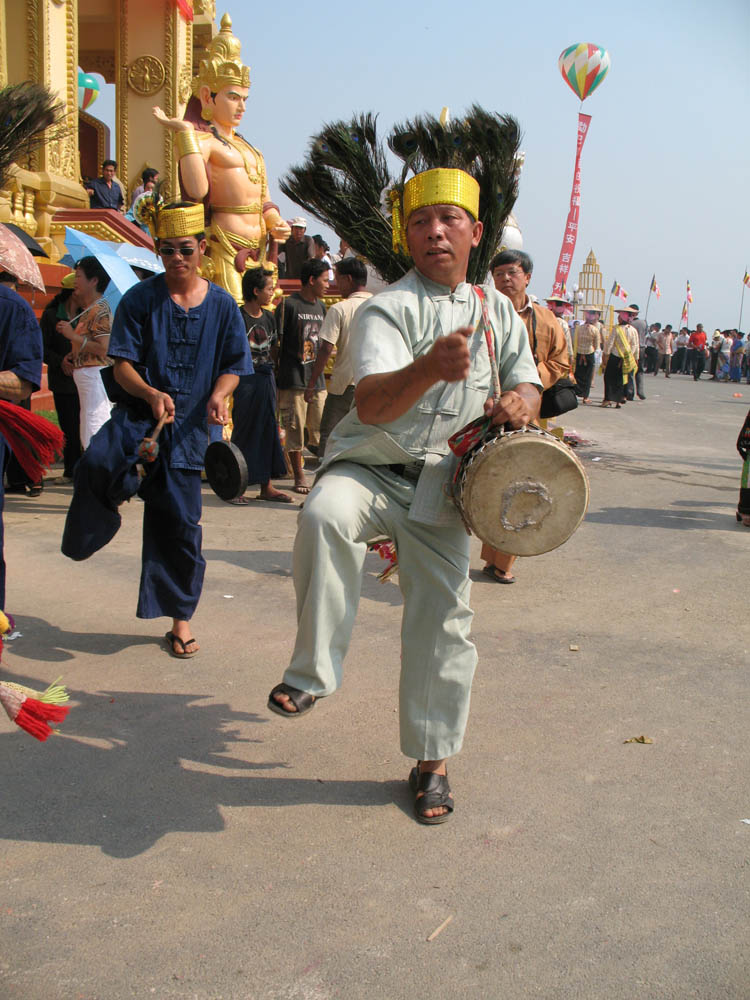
(441, 186)
(223, 66)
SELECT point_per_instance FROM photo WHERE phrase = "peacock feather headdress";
(346, 182)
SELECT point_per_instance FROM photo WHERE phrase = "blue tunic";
(182, 353)
(21, 353)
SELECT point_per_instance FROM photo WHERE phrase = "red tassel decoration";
(34, 441)
(35, 717)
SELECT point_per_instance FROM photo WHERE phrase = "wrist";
(187, 142)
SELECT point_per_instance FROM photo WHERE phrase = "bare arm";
(217, 409)
(131, 381)
(385, 397)
(96, 343)
(325, 350)
(13, 388)
(517, 407)
(193, 173)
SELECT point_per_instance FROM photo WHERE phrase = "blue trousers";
(172, 567)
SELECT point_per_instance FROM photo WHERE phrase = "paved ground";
(178, 840)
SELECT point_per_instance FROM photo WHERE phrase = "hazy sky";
(666, 165)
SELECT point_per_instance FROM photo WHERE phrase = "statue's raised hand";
(174, 124)
(281, 232)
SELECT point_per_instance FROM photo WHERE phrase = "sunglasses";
(182, 251)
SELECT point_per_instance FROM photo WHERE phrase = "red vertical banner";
(571, 226)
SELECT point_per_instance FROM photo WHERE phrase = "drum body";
(226, 470)
(523, 492)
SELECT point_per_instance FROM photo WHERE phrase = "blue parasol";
(121, 277)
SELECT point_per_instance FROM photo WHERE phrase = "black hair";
(6, 278)
(109, 163)
(149, 174)
(353, 267)
(253, 281)
(93, 269)
(312, 269)
(512, 257)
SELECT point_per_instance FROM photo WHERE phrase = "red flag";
(571, 226)
(185, 7)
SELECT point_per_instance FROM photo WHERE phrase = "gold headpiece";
(169, 223)
(441, 186)
(223, 66)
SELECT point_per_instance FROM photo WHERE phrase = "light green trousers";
(349, 506)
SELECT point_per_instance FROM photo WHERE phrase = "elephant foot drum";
(523, 492)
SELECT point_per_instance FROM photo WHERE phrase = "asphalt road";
(178, 840)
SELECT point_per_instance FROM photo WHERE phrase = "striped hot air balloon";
(88, 90)
(583, 67)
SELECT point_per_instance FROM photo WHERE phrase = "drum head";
(524, 493)
(226, 470)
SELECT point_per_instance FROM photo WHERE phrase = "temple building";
(591, 291)
(150, 50)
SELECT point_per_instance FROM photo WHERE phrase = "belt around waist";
(409, 472)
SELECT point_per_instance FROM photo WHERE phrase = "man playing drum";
(422, 372)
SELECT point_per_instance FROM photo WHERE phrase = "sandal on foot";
(301, 700)
(435, 792)
(492, 572)
(184, 653)
(278, 498)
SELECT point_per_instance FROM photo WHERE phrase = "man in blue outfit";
(20, 375)
(179, 346)
(105, 191)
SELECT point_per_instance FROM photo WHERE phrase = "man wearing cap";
(297, 249)
(422, 372)
(620, 359)
(587, 340)
(635, 385)
(179, 346)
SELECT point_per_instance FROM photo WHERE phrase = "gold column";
(153, 67)
(41, 44)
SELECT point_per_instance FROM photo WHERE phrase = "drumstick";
(148, 449)
(488, 334)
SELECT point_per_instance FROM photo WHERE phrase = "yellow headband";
(441, 186)
(174, 222)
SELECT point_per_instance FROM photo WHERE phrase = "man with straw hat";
(422, 371)
(179, 346)
(587, 340)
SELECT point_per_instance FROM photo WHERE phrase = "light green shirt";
(391, 330)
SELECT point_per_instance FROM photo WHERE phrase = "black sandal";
(301, 700)
(436, 792)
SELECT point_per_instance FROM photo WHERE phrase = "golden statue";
(220, 168)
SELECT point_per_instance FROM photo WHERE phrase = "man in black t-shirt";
(300, 319)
